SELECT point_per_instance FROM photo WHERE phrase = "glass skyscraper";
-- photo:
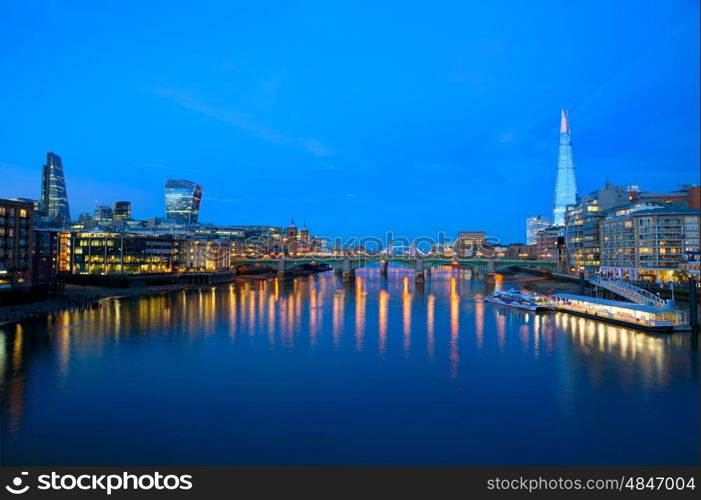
(183, 200)
(121, 210)
(565, 181)
(54, 199)
(533, 225)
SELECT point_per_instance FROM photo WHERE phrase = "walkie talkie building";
(183, 200)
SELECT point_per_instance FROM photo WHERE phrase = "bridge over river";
(346, 265)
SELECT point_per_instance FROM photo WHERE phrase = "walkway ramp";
(628, 291)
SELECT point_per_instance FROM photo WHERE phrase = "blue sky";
(354, 117)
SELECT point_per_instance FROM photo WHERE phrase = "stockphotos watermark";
(106, 483)
(462, 248)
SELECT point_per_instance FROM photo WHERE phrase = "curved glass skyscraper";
(565, 181)
(54, 198)
(183, 200)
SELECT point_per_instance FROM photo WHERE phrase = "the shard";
(565, 181)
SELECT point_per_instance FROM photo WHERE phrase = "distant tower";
(54, 199)
(565, 181)
(533, 225)
(121, 210)
(292, 230)
(183, 199)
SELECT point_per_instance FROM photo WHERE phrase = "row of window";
(11, 212)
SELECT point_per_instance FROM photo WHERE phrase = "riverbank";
(83, 297)
(547, 285)
(78, 298)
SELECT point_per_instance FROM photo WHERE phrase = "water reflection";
(387, 319)
(338, 308)
(382, 318)
(360, 296)
(430, 325)
(406, 316)
(454, 327)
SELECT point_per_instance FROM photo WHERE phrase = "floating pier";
(642, 317)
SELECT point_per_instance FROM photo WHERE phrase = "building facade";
(533, 225)
(583, 226)
(121, 210)
(103, 213)
(520, 251)
(209, 255)
(619, 241)
(53, 204)
(550, 246)
(649, 241)
(687, 197)
(46, 256)
(582, 235)
(183, 199)
(565, 179)
(665, 239)
(16, 243)
(471, 244)
(120, 254)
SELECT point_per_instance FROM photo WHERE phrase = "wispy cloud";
(157, 165)
(246, 123)
(620, 82)
(235, 201)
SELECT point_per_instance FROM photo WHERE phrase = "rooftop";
(668, 211)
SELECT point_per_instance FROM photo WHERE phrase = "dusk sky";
(353, 117)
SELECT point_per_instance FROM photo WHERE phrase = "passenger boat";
(523, 301)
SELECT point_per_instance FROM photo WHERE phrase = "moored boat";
(527, 302)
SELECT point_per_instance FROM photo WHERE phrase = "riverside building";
(650, 241)
(16, 243)
(116, 253)
(582, 226)
(550, 245)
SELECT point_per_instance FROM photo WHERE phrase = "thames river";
(314, 372)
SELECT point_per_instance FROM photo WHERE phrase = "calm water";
(314, 372)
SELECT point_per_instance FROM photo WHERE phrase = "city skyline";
(398, 152)
(288, 236)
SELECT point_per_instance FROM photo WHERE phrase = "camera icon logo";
(16, 488)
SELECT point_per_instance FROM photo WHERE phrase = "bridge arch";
(544, 265)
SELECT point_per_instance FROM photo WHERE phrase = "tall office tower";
(121, 210)
(103, 213)
(565, 181)
(183, 200)
(54, 199)
(533, 225)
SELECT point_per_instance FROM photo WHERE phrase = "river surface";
(315, 372)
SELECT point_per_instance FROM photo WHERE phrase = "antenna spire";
(564, 122)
